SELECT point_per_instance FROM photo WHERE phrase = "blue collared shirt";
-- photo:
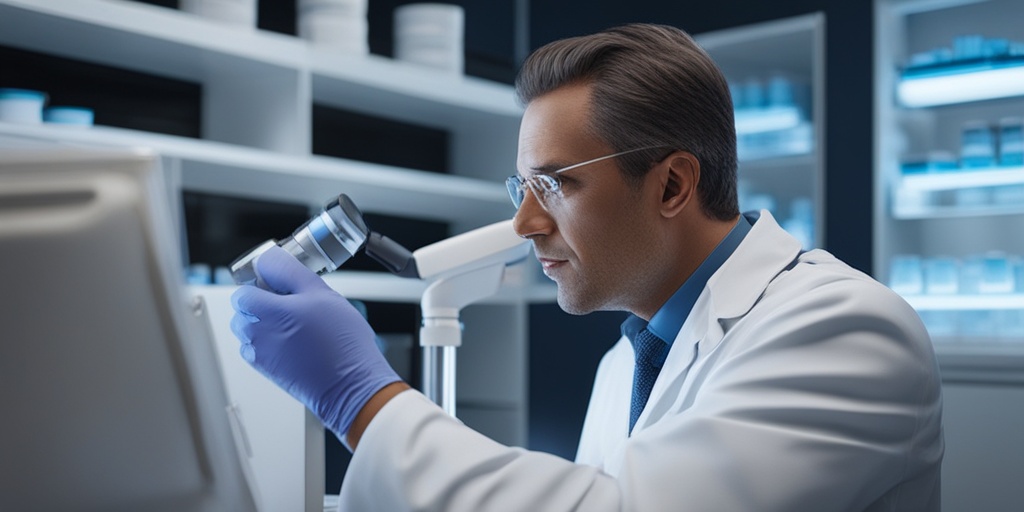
(666, 323)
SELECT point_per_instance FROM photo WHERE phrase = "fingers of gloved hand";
(283, 273)
(242, 301)
(241, 325)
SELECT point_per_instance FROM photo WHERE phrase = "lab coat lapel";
(730, 293)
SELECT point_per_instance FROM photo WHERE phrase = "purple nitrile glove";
(309, 340)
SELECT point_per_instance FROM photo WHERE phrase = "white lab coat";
(795, 384)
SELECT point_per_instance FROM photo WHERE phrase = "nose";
(531, 219)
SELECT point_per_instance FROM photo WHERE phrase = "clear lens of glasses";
(545, 187)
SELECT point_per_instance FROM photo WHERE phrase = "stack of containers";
(337, 25)
(984, 147)
(430, 35)
(991, 273)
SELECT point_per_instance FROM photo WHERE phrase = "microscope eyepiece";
(328, 240)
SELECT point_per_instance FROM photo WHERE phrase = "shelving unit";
(258, 91)
(960, 212)
(953, 213)
(780, 145)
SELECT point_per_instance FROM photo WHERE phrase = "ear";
(680, 177)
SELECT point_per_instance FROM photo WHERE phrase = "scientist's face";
(592, 239)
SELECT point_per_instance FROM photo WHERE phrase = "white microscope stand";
(465, 268)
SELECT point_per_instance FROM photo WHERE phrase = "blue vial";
(1011, 141)
(941, 276)
(978, 145)
(780, 92)
(905, 275)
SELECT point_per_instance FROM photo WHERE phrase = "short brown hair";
(651, 85)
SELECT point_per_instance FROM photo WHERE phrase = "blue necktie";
(649, 350)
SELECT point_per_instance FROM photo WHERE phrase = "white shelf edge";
(752, 33)
(965, 302)
(794, 160)
(184, 37)
(903, 212)
(957, 88)
(172, 26)
(964, 178)
(905, 7)
(230, 155)
(759, 120)
(384, 74)
(769, 158)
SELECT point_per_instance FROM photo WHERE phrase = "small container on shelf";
(929, 163)
(241, 13)
(780, 91)
(972, 197)
(968, 47)
(906, 276)
(989, 273)
(68, 116)
(753, 94)
(21, 106)
(978, 148)
(941, 276)
(198, 273)
(430, 34)
(1011, 141)
(340, 26)
(997, 274)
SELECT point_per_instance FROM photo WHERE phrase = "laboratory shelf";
(966, 302)
(767, 119)
(237, 170)
(917, 184)
(176, 44)
(139, 36)
(963, 83)
(409, 92)
(904, 211)
(257, 94)
(964, 178)
(775, 71)
(781, 163)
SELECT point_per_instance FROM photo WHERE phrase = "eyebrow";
(549, 168)
(543, 169)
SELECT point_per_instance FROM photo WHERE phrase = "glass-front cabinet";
(950, 168)
(776, 76)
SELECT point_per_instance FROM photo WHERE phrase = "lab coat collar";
(765, 252)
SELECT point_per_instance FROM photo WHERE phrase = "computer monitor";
(111, 396)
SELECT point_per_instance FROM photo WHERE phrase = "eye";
(545, 182)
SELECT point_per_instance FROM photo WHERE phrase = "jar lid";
(68, 115)
(21, 94)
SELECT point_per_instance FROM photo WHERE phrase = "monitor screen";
(110, 388)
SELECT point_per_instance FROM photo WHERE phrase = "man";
(751, 375)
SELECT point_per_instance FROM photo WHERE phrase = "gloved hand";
(309, 340)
